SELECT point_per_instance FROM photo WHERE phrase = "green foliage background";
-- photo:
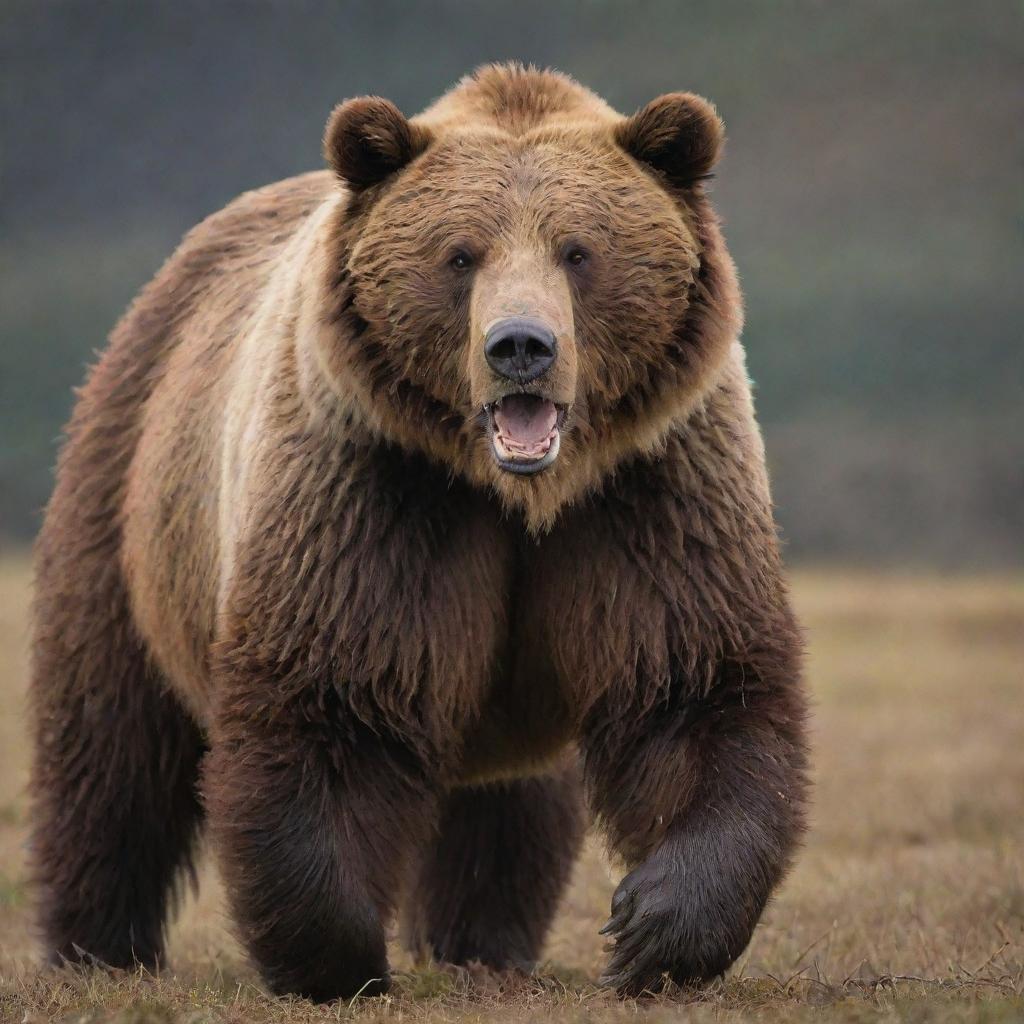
(872, 194)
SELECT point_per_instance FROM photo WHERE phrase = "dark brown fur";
(278, 532)
(488, 886)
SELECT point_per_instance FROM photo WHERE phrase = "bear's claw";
(662, 928)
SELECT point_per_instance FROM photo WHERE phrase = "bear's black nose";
(520, 348)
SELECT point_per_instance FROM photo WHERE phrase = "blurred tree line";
(871, 192)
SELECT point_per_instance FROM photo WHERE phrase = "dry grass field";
(906, 905)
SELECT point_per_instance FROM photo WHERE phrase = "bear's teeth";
(512, 450)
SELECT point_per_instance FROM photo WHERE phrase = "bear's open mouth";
(524, 432)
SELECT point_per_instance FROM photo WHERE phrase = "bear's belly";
(524, 729)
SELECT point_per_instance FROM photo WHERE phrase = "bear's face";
(521, 301)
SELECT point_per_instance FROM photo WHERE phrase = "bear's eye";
(461, 261)
(576, 256)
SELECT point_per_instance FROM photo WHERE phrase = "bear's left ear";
(368, 138)
(678, 134)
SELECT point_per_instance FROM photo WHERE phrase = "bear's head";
(523, 284)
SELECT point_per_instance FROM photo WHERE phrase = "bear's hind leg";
(488, 887)
(116, 762)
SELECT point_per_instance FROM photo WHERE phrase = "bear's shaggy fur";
(287, 567)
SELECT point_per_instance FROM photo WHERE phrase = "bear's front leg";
(704, 795)
(313, 814)
(356, 631)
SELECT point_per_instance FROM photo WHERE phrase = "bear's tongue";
(525, 425)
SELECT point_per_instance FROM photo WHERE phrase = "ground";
(907, 903)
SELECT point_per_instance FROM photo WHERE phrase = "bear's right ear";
(368, 138)
(678, 134)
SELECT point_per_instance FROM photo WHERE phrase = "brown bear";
(411, 501)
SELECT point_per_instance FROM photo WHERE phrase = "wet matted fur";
(279, 537)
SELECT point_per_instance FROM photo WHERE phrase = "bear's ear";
(368, 138)
(678, 134)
